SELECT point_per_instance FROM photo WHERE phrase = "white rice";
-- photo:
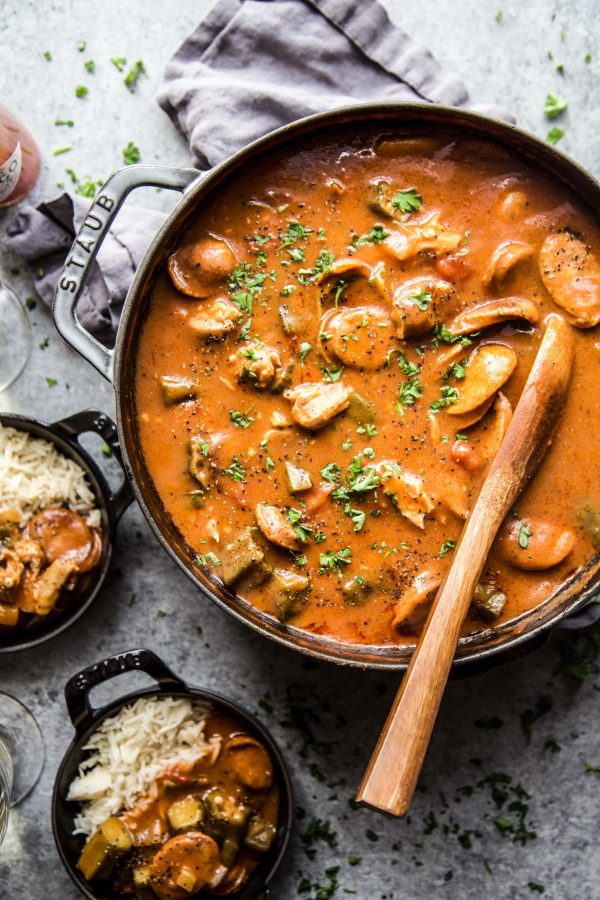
(34, 475)
(133, 747)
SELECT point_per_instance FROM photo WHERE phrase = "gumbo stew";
(328, 365)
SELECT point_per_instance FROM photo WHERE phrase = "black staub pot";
(86, 720)
(395, 119)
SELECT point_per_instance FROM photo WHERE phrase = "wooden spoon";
(391, 776)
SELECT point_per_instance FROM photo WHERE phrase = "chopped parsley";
(48, 56)
(302, 531)
(119, 62)
(322, 265)
(81, 45)
(376, 235)
(330, 561)
(421, 300)
(447, 547)
(304, 350)
(236, 470)
(407, 201)
(60, 150)
(51, 382)
(134, 73)
(68, 122)
(554, 106)
(131, 154)
(331, 473)
(332, 375)
(106, 450)
(239, 419)
(245, 283)
(81, 91)
(294, 232)
(525, 533)
(449, 396)
(213, 558)
(554, 135)
(90, 66)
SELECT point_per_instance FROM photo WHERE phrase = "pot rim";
(486, 643)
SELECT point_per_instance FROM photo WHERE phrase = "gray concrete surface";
(451, 846)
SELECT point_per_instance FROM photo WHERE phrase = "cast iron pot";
(87, 720)
(65, 436)
(119, 365)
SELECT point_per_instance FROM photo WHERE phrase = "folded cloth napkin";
(249, 67)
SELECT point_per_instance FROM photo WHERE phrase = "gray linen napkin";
(249, 67)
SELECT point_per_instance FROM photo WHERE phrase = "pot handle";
(85, 248)
(78, 687)
(98, 422)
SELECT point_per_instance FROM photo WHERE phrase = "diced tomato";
(453, 268)
(317, 496)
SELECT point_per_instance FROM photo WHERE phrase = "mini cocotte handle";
(79, 686)
(85, 248)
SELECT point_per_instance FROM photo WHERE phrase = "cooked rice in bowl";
(130, 749)
(35, 475)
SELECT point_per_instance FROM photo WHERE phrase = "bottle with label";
(19, 160)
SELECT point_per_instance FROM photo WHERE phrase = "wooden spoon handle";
(391, 776)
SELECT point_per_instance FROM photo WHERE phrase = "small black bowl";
(64, 435)
(86, 721)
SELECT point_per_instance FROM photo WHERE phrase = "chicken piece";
(257, 364)
(359, 337)
(485, 438)
(315, 403)
(198, 269)
(185, 865)
(50, 584)
(176, 389)
(494, 312)
(63, 534)
(11, 568)
(505, 259)
(275, 526)
(409, 239)
(488, 369)
(215, 318)
(571, 275)
(421, 303)
(31, 555)
(413, 607)
(405, 491)
(249, 762)
(533, 544)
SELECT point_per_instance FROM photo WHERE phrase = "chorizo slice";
(507, 257)
(494, 312)
(571, 275)
(360, 337)
(421, 303)
(198, 269)
(533, 544)
(488, 369)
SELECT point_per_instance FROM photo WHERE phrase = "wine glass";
(15, 336)
(21, 755)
